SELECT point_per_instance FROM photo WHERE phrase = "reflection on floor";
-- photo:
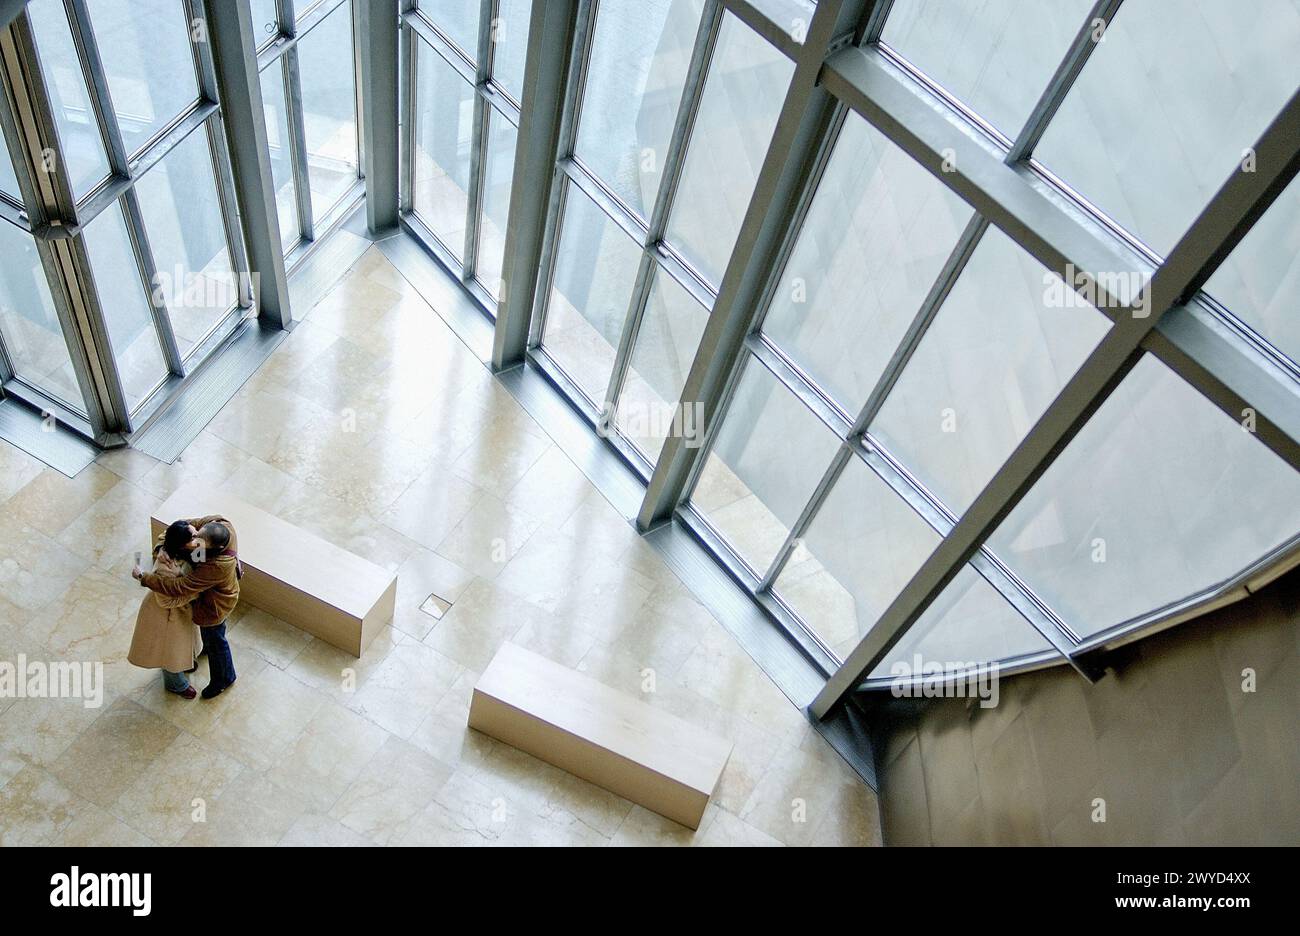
(373, 426)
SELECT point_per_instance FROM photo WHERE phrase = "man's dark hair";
(176, 539)
(216, 535)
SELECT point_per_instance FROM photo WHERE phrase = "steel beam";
(550, 45)
(799, 136)
(234, 53)
(377, 45)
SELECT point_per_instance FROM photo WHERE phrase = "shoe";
(211, 692)
(187, 693)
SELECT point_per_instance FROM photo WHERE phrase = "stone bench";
(627, 746)
(292, 574)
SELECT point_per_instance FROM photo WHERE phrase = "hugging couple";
(193, 588)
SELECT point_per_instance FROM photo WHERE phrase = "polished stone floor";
(376, 428)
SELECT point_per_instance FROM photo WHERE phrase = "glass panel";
(862, 547)
(768, 457)
(1261, 277)
(595, 269)
(182, 215)
(1001, 348)
(639, 59)
(1165, 108)
(458, 19)
(277, 132)
(996, 58)
(265, 24)
(498, 169)
(329, 109)
(130, 323)
(665, 346)
(145, 48)
(969, 623)
(444, 131)
(28, 323)
(510, 46)
(1158, 497)
(879, 230)
(742, 97)
(83, 150)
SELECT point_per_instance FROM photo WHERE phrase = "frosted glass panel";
(1158, 497)
(595, 269)
(639, 58)
(1167, 105)
(861, 549)
(878, 232)
(1000, 350)
(1260, 280)
(742, 97)
(997, 58)
(767, 459)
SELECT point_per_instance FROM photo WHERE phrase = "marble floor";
(373, 426)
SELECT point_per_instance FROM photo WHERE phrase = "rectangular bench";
(292, 574)
(627, 746)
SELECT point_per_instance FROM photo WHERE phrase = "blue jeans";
(221, 667)
(175, 682)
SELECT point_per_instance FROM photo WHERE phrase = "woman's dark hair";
(177, 539)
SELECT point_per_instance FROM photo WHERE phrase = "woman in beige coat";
(165, 635)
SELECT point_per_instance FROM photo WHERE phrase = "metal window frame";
(841, 66)
(491, 101)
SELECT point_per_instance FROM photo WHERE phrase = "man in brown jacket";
(213, 589)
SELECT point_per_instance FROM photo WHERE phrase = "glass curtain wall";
(904, 345)
(678, 102)
(137, 139)
(308, 76)
(908, 346)
(464, 82)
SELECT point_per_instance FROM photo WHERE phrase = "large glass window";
(996, 58)
(1260, 280)
(276, 110)
(862, 548)
(1005, 342)
(126, 307)
(29, 324)
(1167, 106)
(498, 172)
(444, 135)
(329, 109)
(767, 458)
(458, 19)
(742, 96)
(632, 94)
(665, 346)
(595, 267)
(510, 45)
(83, 148)
(878, 232)
(969, 623)
(145, 48)
(182, 213)
(266, 25)
(1158, 497)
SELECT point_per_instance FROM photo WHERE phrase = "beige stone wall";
(1179, 753)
